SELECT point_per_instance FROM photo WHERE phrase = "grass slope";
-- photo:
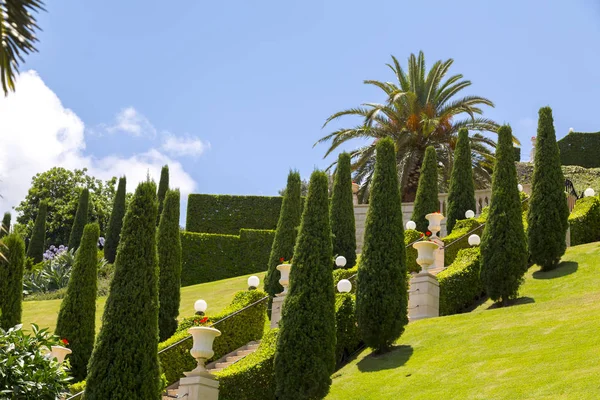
(546, 347)
(218, 295)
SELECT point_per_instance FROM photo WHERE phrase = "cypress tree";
(80, 220)
(461, 196)
(77, 316)
(169, 264)
(11, 266)
(305, 354)
(35, 250)
(124, 363)
(116, 222)
(285, 235)
(381, 289)
(342, 212)
(548, 214)
(503, 246)
(163, 186)
(5, 225)
(427, 200)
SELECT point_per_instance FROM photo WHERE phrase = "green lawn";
(546, 347)
(217, 294)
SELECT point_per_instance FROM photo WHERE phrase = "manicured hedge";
(578, 148)
(225, 214)
(347, 335)
(462, 227)
(460, 284)
(585, 221)
(236, 332)
(410, 236)
(255, 248)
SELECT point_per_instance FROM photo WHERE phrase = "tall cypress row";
(35, 250)
(11, 293)
(163, 186)
(427, 200)
(305, 355)
(169, 264)
(461, 196)
(341, 213)
(381, 289)
(77, 316)
(80, 220)
(503, 244)
(124, 363)
(116, 222)
(5, 225)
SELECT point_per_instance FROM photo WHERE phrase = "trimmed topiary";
(461, 195)
(124, 364)
(381, 293)
(427, 200)
(169, 265)
(163, 187)
(305, 355)
(285, 235)
(503, 244)
(80, 220)
(547, 219)
(35, 250)
(77, 316)
(5, 225)
(341, 213)
(11, 274)
(115, 223)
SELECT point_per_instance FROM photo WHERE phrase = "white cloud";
(37, 133)
(184, 145)
(130, 121)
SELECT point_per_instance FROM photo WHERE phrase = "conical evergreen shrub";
(285, 235)
(169, 264)
(124, 363)
(11, 274)
(35, 250)
(80, 220)
(547, 218)
(503, 245)
(115, 223)
(163, 186)
(427, 200)
(341, 213)
(381, 289)
(305, 355)
(461, 195)
(5, 225)
(77, 316)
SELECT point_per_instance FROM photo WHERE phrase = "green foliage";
(347, 335)
(77, 317)
(548, 211)
(61, 188)
(124, 364)
(381, 295)
(35, 250)
(236, 332)
(113, 233)
(50, 275)
(163, 187)
(342, 222)
(224, 214)
(517, 152)
(579, 148)
(11, 281)
(285, 235)
(460, 284)
(461, 195)
(343, 273)
(427, 200)
(255, 247)
(169, 264)
(80, 220)
(503, 245)
(25, 372)
(411, 236)
(585, 221)
(305, 356)
(459, 239)
(5, 228)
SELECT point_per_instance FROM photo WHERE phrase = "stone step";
(233, 359)
(222, 365)
(244, 353)
(252, 346)
(212, 371)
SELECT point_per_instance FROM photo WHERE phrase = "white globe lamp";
(200, 306)
(411, 225)
(469, 214)
(520, 187)
(589, 192)
(474, 240)
(340, 261)
(344, 286)
(253, 282)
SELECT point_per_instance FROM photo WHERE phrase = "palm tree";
(421, 110)
(17, 37)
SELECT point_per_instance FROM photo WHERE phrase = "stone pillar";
(355, 187)
(200, 387)
(438, 262)
(568, 238)
(276, 309)
(423, 297)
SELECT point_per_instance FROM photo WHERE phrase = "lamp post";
(474, 240)
(253, 282)
(469, 214)
(589, 192)
(520, 187)
(200, 306)
(344, 286)
(340, 261)
(411, 225)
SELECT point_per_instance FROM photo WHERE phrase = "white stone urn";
(425, 256)
(60, 352)
(435, 220)
(202, 349)
(285, 277)
(355, 187)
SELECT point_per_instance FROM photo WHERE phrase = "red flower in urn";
(203, 320)
(65, 342)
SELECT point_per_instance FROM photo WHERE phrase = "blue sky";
(243, 88)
